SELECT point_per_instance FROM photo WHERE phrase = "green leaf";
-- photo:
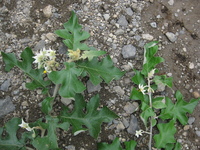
(101, 70)
(68, 78)
(179, 109)
(158, 103)
(130, 145)
(171, 146)
(138, 78)
(166, 135)
(91, 54)
(73, 34)
(114, 146)
(50, 140)
(26, 66)
(10, 140)
(47, 105)
(163, 80)
(87, 115)
(148, 112)
(150, 61)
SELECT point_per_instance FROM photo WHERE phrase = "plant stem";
(150, 103)
(28, 148)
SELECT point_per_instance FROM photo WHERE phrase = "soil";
(182, 57)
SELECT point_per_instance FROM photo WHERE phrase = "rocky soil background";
(120, 27)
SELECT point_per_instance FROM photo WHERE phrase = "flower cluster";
(74, 55)
(46, 59)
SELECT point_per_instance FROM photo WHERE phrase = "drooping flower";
(151, 73)
(142, 88)
(25, 126)
(139, 133)
(74, 55)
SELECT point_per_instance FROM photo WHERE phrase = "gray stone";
(133, 125)
(128, 51)
(119, 32)
(6, 106)
(118, 90)
(171, 36)
(120, 126)
(106, 16)
(153, 24)
(198, 133)
(5, 85)
(191, 120)
(62, 49)
(147, 37)
(130, 108)
(51, 37)
(129, 11)
(70, 147)
(122, 21)
(47, 11)
(137, 37)
(92, 88)
(125, 122)
(66, 101)
(40, 45)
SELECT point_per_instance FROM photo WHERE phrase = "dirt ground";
(182, 58)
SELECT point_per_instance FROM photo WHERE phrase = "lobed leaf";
(68, 78)
(87, 115)
(47, 105)
(91, 54)
(10, 139)
(166, 135)
(179, 109)
(26, 66)
(150, 61)
(163, 80)
(103, 70)
(138, 78)
(73, 34)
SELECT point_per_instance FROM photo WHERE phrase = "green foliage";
(90, 118)
(130, 145)
(47, 105)
(68, 78)
(179, 109)
(73, 34)
(91, 54)
(49, 141)
(166, 135)
(150, 61)
(10, 139)
(163, 80)
(100, 70)
(26, 66)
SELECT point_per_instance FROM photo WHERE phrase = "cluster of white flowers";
(25, 126)
(46, 59)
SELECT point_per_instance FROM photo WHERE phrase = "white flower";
(51, 54)
(25, 126)
(142, 88)
(139, 133)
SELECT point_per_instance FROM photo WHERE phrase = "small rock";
(137, 37)
(191, 120)
(6, 106)
(24, 103)
(129, 11)
(40, 45)
(191, 65)
(122, 21)
(62, 49)
(171, 2)
(171, 36)
(118, 90)
(70, 147)
(196, 94)
(133, 125)
(128, 51)
(130, 108)
(92, 88)
(51, 36)
(47, 11)
(119, 32)
(186, 127)
(5, 85)
(198, 133)
(106, 16)
(153, 24)
(125, 122)
(147, 37)
(120, 126)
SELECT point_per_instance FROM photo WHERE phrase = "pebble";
(191, 65)
(147, 37)
(130, 107)
(51, 36)
(119, 32)
(129, 11)
(93, 88)
(128, 51)
(153, 24)
(6, 106)
(5, 85)
(125, 122)
(198, 133)
(186, 127)
(171, 2)
(171, 36)
(196, 94)
(191, 120)
(47, 11)
(133, 125)
(40, 45)
(66, 101)
(120, 126)
(70, 147)
(122, 21)
(106, 16)
(118, 90)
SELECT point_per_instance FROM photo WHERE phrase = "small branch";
(28, 148)
(56, 90)
(150, 103)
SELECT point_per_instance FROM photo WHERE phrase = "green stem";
(28, 148)
(150, 102)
